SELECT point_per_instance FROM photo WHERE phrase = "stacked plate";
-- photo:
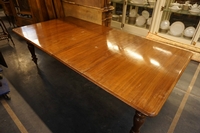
(177, 28)
(189, 31)
(164, 25)
(140, 21)
(149, 21)
(145, 14)
(133, 13)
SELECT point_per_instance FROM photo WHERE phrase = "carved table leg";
(32, 51)
(139, 119)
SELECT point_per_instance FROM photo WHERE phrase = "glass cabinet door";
(196, 39)
(117, 13)
(179, 21)
(133, 16)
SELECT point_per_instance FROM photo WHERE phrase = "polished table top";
(140, 72)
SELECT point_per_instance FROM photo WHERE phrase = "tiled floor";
(53, 98)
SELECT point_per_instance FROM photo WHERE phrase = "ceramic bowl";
(140, 21)
(164, 25)
(133, 13)
(189, 31)
(149, 20)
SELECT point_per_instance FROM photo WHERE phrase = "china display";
(131, 15)
(180, 19)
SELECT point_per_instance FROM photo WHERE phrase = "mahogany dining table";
(140, 72)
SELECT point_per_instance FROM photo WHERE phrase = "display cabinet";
(179, 21)
(133, 15)
(174, 20)
(96, 11)
(33, 11)
(8, 11)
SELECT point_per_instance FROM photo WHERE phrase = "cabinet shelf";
(138, 5)
(181, 12)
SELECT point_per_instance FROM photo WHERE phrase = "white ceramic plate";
(177, 28)
(149, 21)
(145, 14)
(133, 13)
(189, 31)
(164, 25)
(140, 21)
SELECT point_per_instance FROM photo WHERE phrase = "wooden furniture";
(4, 34)
(8, 11)
(140, 72)
(28, 11)
(91, 3)
(95, 11)
(32, 11)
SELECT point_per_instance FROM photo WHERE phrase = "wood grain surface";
(138, 71)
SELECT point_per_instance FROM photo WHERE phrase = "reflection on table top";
(140, 72)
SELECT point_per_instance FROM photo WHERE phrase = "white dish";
(145, 14)
(133, 13)
(149, 21)
(175, 8)
(189, 31)
(175, 4)
(164, 25)
(195, 11)
(177, 28)
(140, 21)
(194, 6)
(138, 1)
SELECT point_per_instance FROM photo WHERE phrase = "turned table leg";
(32, 51)
(138, 120)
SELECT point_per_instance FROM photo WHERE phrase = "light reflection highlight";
(36, 41)
(112, 46)
(162, 50)
(133, 54)
(126, 51)
(30, 34)
(154, 62)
